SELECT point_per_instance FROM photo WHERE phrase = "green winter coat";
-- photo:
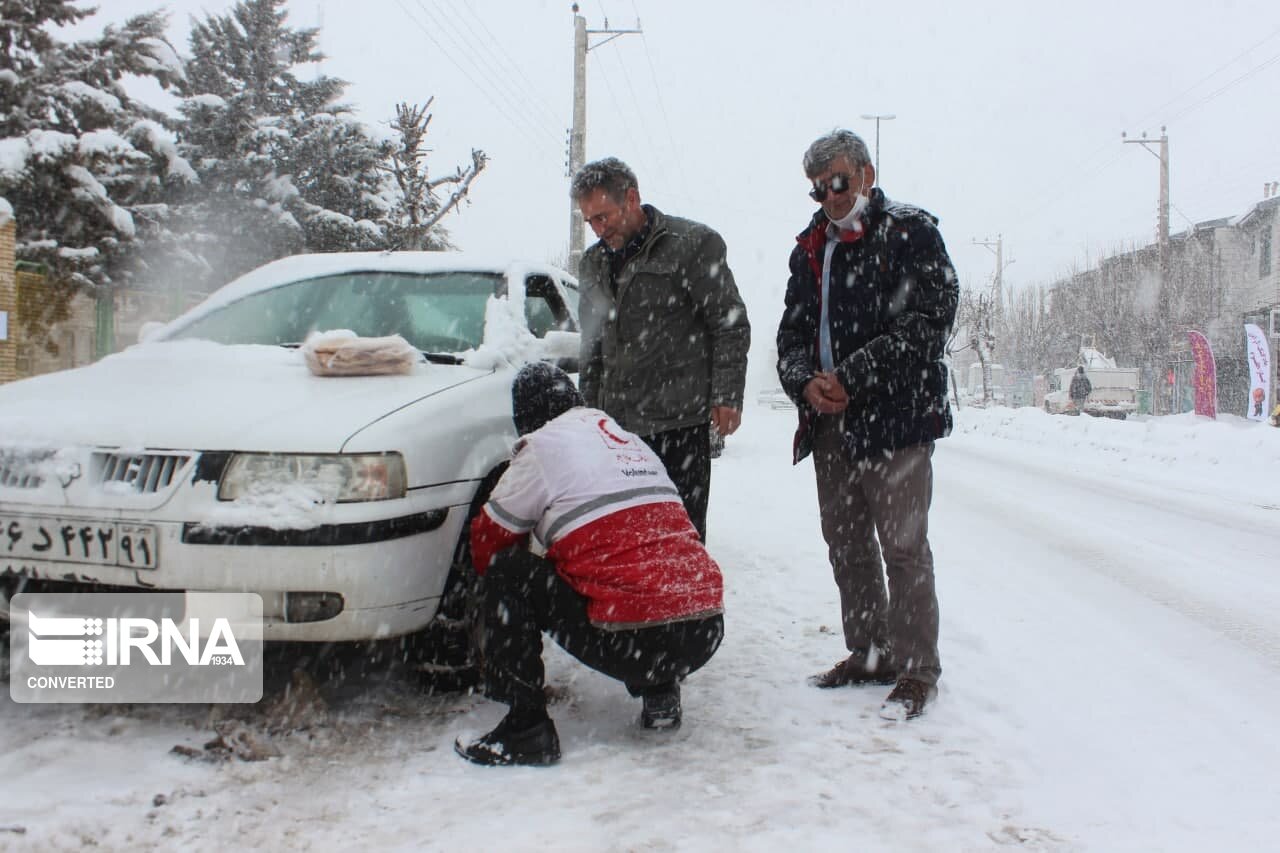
(673, 343)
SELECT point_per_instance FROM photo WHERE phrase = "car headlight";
(336, 478)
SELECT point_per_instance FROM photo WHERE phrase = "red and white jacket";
(612, 521)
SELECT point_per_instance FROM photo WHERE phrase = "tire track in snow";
(1056, 526)
(1235, 512)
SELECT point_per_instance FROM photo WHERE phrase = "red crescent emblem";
(604, 421)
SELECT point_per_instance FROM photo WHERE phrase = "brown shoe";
(907, 700)
(854, 670)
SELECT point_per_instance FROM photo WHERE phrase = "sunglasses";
(837, 185)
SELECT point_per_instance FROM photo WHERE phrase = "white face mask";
(849, 222)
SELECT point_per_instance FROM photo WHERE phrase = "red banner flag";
(1206, 375)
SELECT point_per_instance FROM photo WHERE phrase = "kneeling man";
(626, 586)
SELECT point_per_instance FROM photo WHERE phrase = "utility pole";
(1162, 212)
(997, 287)
(877, 119)
(578, 133)
(1162, 239)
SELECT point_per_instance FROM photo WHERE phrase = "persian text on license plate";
(78, 540)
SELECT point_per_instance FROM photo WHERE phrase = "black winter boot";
(514, 741)
(662, 708)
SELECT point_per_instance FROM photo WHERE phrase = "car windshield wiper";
(442, 358)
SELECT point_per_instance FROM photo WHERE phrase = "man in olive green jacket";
(664, 330)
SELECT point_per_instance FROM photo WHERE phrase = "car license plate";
(78, 540)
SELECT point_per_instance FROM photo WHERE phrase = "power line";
(523, 128)
(1209, 97)
(467, 74)
(618, 108)
(1049, 193)
(514, 104)
(498, 58)
(617, 104)
(1156, 112)
(662, 106)
(635, 100)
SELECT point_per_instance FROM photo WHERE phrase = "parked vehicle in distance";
(209, 458)
(775, 398)
(975, 392)
(1115, 389)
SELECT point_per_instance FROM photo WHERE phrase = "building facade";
(1216, 277)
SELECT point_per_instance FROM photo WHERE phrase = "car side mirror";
(561, 348)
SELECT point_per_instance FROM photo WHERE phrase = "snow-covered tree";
(283, 167)
(83, 164)
(975, 316)
(1034, 338)
(413, 222)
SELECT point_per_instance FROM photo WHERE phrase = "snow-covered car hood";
(203, 396)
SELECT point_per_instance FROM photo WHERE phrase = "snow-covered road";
(1112, 681)
(1130, 639)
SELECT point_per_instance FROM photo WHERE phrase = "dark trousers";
(523, 597)
(869, 507)
(686, 453)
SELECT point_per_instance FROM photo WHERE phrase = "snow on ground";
(1112, 681)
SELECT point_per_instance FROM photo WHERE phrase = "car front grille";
(18, 471)
(143, 473)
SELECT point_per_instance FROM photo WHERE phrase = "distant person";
(1080, 389)
(664, 330)
(625, 587)
(871, 297)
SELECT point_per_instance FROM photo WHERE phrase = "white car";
(209, 458)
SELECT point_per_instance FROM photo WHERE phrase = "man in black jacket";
(871, 297)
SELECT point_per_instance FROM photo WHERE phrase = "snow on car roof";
(298, 267)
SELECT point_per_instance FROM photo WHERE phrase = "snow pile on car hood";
(507, 339)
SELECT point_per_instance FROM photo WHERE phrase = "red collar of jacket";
(814, 238)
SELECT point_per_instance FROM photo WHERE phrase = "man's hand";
(725, 419)
(825, 393)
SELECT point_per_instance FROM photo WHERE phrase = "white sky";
(1008, 116)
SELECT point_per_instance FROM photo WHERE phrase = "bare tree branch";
(478, 161)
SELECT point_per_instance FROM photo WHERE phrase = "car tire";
(447, 651)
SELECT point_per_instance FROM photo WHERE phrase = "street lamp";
(877, 119)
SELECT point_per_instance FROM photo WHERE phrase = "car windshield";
(435, 312)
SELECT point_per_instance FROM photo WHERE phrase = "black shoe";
(536, 745)
(662, 709)
(907, 700)
(855, 670)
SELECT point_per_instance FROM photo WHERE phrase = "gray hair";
(610, 174)
(837, 143)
